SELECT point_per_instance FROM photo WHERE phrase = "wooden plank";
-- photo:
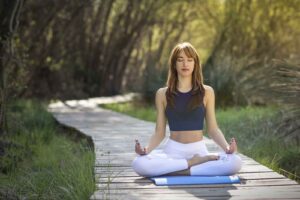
(149, 184)
(247, 182)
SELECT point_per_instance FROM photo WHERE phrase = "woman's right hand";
(232, 148)
(138, 149)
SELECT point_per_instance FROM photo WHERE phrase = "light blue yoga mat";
(194, 180)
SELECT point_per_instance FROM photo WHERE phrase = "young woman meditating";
(185, 103)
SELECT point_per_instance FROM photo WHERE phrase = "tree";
(252, 33)
(9, 18)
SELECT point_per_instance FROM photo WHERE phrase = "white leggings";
(173, 157)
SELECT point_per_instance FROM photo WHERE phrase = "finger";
(234, 143)
(137, 150)
(141, 152)
(138, 147)
(234, 148)
(234, 140)
(141, 148)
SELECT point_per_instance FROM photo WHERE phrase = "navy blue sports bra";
(180, 118)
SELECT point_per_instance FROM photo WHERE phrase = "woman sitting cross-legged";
(185, 103)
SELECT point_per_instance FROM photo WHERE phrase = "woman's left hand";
(232, 147)
(138, 149)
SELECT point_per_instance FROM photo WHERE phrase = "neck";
(184, 83)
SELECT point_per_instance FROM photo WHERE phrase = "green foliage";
(27, 118)
(255, 130)
(283, 83)
(13, 154)
(251, 34)
(39, 163)
(81, 49)
(59, 170)
(154, 79)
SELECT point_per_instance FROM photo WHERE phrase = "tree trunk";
(10, 10)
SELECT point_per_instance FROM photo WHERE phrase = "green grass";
(254, 129)
(136, 109)
(40, 161)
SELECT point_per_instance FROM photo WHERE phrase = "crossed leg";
(156, 165)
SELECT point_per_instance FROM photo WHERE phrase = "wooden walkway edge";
(113, 135)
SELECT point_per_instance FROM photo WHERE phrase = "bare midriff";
(187, 136)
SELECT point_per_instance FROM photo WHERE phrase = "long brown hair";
(198, 90)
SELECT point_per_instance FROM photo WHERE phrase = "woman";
(185, 102)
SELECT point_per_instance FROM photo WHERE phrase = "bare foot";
(196, 159)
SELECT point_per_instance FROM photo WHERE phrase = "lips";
(185, 69)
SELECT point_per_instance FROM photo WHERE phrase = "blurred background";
(77, 49)
(249, 50)
(64, 49)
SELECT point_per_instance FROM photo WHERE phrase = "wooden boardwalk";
(113, 135)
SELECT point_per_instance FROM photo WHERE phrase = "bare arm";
(212, 127)
(160, 129)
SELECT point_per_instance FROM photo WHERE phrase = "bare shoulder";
(161, 95)
(209, 94)
(162, 91)
(208, 89)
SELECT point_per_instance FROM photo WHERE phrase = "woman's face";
(184, 65)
